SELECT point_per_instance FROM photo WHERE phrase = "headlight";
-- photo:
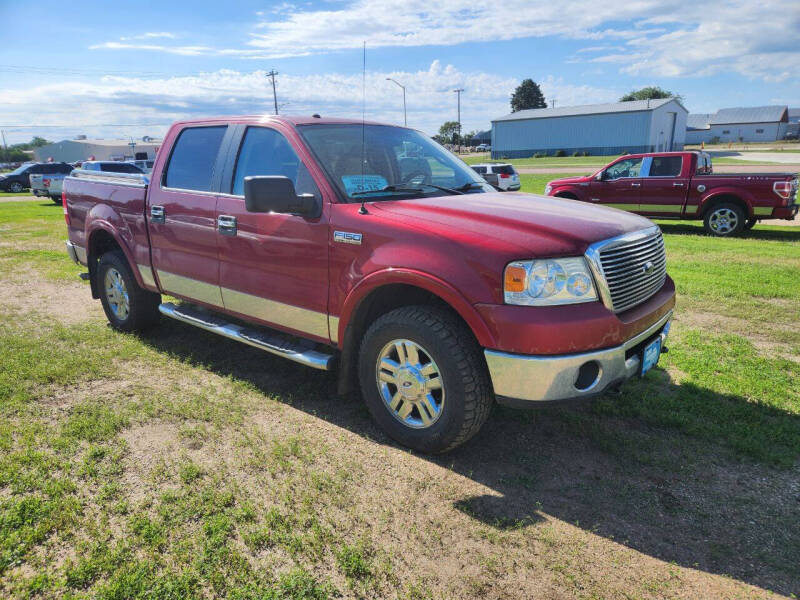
(548, 281)
(547, 189)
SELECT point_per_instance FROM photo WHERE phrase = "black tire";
(467, 395)
(56, 199)
(142, 305)
(750, 224)
(15, 187)
(725, 219)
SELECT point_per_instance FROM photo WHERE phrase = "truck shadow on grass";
(775, 235)
(635, 468)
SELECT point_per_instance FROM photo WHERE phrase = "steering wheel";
(422, 176)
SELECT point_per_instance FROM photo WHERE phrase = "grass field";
(176, 464)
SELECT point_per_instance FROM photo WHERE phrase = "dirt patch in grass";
(26, 293)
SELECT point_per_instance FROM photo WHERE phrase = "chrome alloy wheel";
(723, 221)
(409, 383)
(117, 294)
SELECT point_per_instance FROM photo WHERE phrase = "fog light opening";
(588, 375)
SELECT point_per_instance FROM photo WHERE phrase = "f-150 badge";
(347, 237)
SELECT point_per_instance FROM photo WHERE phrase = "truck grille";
(633, 267)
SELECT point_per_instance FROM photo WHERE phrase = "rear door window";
(191, 165)
(666, 166)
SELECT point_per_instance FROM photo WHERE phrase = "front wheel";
(724, 220)
(128, 307)
(424, 379)
(16, 187)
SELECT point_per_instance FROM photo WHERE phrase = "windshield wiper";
(468, 186)
(390, 188)
(418, 189)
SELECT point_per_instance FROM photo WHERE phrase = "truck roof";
(286, 119)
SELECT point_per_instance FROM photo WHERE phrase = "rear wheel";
(56, 199)
(724, 220)
(128, 307)
(16, 187)
(424, 379)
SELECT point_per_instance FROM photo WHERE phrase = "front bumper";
(523, 380)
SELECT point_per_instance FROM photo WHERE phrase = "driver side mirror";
(601, 176)
(275, 193)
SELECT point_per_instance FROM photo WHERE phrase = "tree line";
(16, 152)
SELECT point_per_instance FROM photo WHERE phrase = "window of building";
(726, 131)
(759, 131)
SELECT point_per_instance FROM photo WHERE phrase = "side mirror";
(275, 193)
(600, 176)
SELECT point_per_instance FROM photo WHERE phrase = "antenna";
(363, 209)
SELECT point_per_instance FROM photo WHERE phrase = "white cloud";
(667, 38)
(147, 106)
(151, 35)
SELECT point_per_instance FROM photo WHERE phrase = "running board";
(299, 351)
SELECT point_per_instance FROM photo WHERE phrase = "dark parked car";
(110, 166)
(20, 179)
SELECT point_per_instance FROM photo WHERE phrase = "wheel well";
(725, 198)
(569, 195)
(379, 302)
(100, 242)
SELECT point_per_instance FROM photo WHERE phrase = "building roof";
(105, 142)
(794, 115)
(586, 109)
(698, 120)
(753, 114)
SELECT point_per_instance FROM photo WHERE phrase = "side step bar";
(300, 351)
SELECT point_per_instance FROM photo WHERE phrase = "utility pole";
(553, 102)
(5, 146)
(405, 119)
(458, 93)
(274, 93)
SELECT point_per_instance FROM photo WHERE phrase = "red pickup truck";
(372, 249)
(682, 185)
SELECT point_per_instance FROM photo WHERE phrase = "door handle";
(226, 225)
(676, 184)
(157, 214)
(636, 184)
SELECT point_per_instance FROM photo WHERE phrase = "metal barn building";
(605, 129)
(82, 149)
(753, 124)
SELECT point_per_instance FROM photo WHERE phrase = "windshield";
(397, 163)
(21, 169)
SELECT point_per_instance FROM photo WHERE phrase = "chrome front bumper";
(520, 379)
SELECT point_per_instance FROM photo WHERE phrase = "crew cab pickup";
(373, 250)
(682, 185)
(48, 184)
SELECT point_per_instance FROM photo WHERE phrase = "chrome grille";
(631, 267)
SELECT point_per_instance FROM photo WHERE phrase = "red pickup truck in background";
(682, 185)
(372, 249)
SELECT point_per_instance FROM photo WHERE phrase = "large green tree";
(651, 92)
(527, 95)
(449, 133)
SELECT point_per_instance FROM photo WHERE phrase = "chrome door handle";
(157, 214)
(226, 225)
(636, 185)
(676, 184)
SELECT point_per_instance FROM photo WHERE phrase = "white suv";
(501, 176)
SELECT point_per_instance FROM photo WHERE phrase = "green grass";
(228, 508)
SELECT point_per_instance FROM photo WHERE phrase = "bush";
(559, 153)
(584, 153)
(576, 153)
(539, 155)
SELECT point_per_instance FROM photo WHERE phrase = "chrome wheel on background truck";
(724, 220)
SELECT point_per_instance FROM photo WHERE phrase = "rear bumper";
(76, 253)
(785, 212)
(525, 380)
(38, 192)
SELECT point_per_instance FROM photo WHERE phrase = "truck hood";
(539, 225)
(564, 180)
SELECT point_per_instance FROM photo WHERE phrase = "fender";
(420, 279)
(575, 190)
(716, 192)
(103, 218)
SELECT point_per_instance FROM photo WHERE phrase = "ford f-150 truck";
(372, 249)
(682, 185)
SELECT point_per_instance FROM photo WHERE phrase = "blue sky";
(120, 69)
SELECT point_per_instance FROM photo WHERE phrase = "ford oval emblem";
(648, 267)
